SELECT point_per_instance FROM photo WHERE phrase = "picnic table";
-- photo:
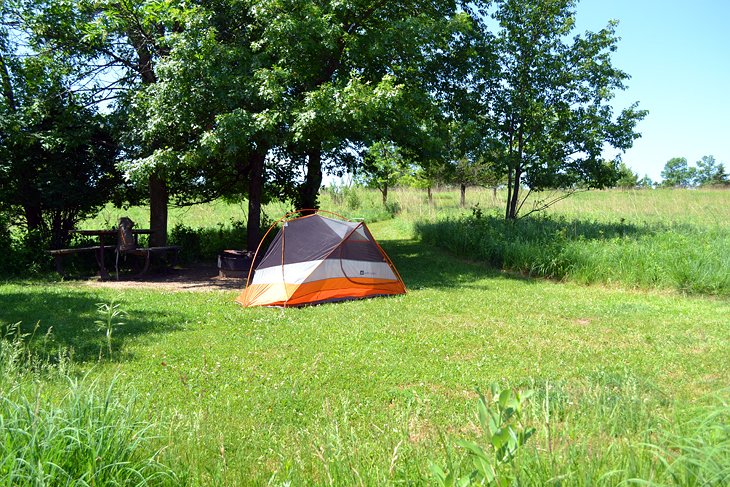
(125, 244)
(102, 234)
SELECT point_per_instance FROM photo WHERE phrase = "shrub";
(206, 243)
(6, 258)
(352, 198)
(21, 252)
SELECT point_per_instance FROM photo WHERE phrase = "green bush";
(206, 243)
(6, 258)
(22, 253)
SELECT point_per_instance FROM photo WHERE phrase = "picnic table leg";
(59, 264)
(146, 263)
(103, 273)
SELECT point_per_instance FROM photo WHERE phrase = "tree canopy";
(234, 98)
(552, 118)
(57, 154)
(677, 173)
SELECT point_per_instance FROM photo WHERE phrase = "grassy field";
(705, 207)
(631, 385)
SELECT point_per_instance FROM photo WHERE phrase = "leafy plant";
(352, 196)
(109, 315)
(502, 428)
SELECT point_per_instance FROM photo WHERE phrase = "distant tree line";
(677, 173)
(706, 172)
(175, 102)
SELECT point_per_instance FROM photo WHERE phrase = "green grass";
(684, 257)
(59, 430)
(371, 391)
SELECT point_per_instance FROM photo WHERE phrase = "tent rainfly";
(315, 259)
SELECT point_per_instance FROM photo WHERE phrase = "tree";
(344, 69)
(458, 77)
(550, 103)
(383, 166)
(57, 156)
(115, 47)
(218, 145)
(677, 173)
(645, 182)
(627, 178)
(250, 92)
(721, 177)
(709, 172)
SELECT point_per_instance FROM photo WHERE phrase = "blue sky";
(678, 56)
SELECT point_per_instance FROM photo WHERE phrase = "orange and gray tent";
(316, 259)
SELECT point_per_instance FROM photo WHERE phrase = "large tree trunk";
(384, 192)
(255, 192)
(159, 197)
(462, 201)
(33, 217)
(313, 180)
(158, 210)
(430, 196)
(514, 173)
(509, 194)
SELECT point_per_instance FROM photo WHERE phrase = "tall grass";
(59, 430)
(677, 256)
(611, 431)
(616, 433)
(204, 230)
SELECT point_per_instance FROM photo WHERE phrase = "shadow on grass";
(71, 316)
(424, 266)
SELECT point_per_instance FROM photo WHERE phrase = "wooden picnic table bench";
(99, 250)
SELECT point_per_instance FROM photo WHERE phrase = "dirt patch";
(194, 278)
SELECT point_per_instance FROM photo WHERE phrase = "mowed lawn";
(371, 391)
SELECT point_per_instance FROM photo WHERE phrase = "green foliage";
(200, 244)
(352, 198)
(383, 166)
(57, 154)
(56, 164)
(682, 257)
(504, 436)
(709, 172)
(677, 173)
(645, 182)
(629, 179)
(7, 256)
(22, 252)
(552, 113)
